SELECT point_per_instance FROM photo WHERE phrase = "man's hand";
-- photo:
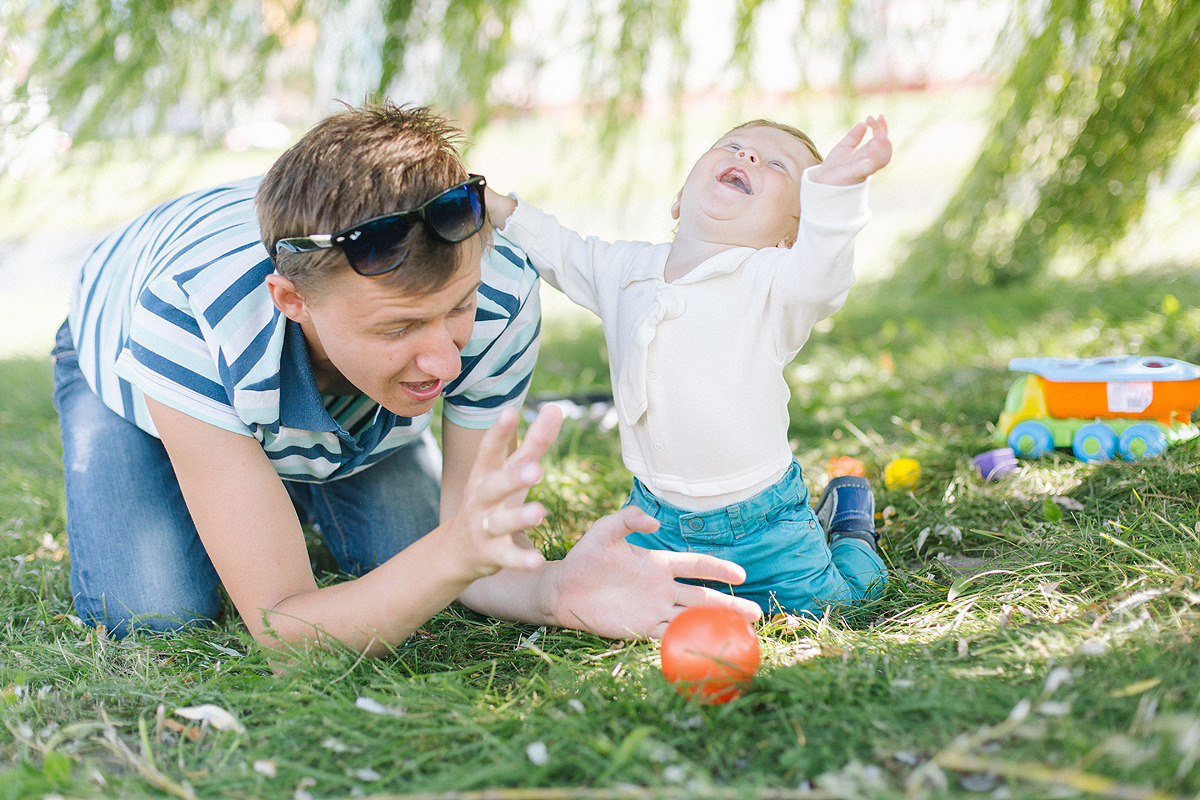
(611, 588)
(493, 512)
(852, 160)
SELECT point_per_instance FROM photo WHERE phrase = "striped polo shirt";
(174, 305)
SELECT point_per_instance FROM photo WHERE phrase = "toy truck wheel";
(1030, 439)
(1141, 440)
(1095, 441)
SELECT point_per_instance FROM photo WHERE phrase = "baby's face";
(746, 189)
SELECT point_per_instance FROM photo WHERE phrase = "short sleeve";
(167, 358)
(498, 361)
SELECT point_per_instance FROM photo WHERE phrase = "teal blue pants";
(776, 538)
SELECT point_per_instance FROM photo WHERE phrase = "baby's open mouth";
(737, 179)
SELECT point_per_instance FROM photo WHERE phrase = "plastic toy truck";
(1100, 408)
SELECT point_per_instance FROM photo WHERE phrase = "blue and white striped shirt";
(174, 306)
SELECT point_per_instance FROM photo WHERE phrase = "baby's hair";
(799, 134)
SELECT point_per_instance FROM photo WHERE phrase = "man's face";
(745, 191)
(398, 349)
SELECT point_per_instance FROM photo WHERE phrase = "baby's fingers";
(879, 149)
(844, 149)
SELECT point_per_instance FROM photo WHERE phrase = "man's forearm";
(516, 595)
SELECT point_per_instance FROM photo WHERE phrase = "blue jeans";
(136, 559)
(776, 538)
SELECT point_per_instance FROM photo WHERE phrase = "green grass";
(1038, 638)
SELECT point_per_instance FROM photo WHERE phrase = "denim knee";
(136, 559)
(120, 618)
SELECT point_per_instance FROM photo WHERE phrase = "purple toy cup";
(995, 463)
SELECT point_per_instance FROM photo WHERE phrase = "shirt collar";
(722, 263)
(300, 404)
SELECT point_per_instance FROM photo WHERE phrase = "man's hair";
(799, 134)
(360, 163)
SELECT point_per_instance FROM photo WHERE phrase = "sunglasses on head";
(373, 247)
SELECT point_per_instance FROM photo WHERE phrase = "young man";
(215, 391)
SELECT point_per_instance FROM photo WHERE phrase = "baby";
(699, 331)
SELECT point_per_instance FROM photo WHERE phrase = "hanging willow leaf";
(1095, 106)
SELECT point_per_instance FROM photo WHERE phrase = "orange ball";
(846, 465)
(710, 652)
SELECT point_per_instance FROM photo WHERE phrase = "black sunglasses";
(372, 247)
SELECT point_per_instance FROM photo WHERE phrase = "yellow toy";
(902, 473)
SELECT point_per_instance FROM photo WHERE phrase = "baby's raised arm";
(499, 207)
(853, 160)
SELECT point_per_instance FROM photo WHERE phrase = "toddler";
(699, 332)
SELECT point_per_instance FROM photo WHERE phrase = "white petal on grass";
(265, 767)
(951, 532)
(1136, 599)
(1057, 677)
(1054, 708)
(302, 788)
(375, 707)
(538, 754)
(527, 642)
(332, 744)
(367, 774)
(1021, 710)
(215, 716)
(229, 651)
(1069, 503)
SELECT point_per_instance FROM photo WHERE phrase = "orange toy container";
(1115, 387)
(1165, 401)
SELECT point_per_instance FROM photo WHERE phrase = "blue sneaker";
(847, 509)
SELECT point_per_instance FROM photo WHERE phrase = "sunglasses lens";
(457, 214)
(376, 247)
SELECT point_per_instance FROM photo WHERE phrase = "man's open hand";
(611, 588)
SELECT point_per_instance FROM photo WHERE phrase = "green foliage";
(1094, 109)
(476, 37)
(113, 68)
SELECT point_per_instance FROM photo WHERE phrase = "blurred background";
(1033, 140)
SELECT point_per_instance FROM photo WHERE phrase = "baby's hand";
(852, 160)
(499, 207)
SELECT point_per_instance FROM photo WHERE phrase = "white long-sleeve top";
(697, 364)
